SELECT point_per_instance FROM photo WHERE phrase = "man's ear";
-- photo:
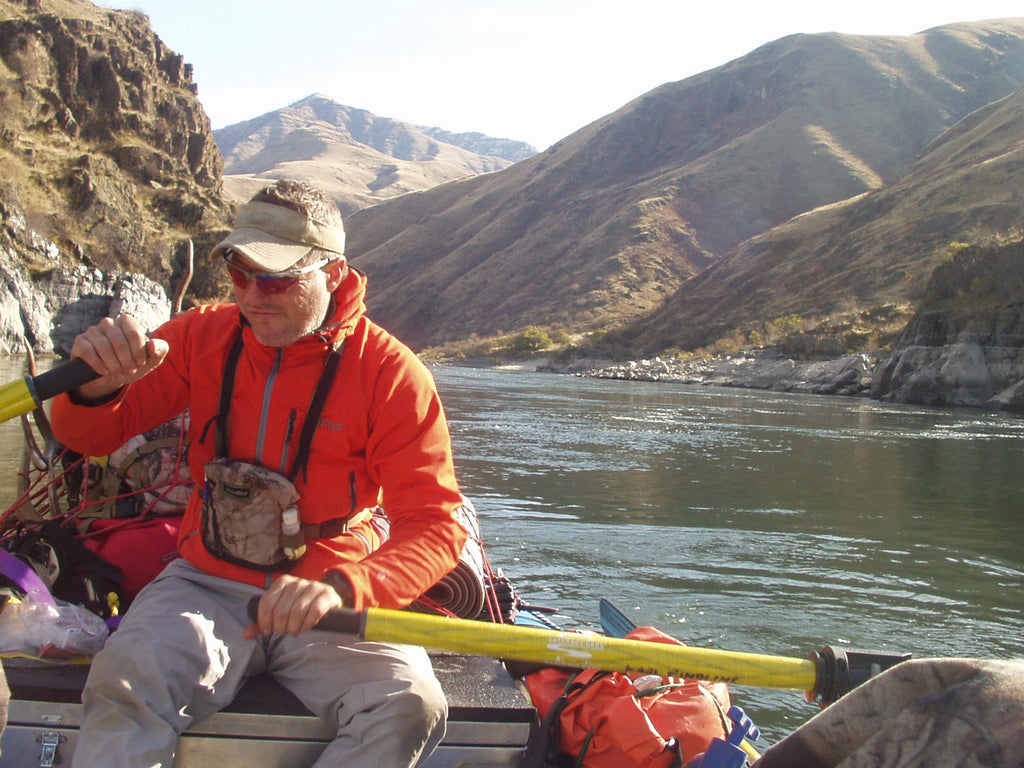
(336, 272)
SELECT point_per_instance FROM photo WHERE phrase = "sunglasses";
(268, 282)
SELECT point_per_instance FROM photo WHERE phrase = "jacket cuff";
(90, 402)
(342, 586)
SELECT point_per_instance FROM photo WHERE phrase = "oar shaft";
(28, 393)
(571, 649)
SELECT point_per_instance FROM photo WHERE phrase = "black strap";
(316, 407)
(227, 387)
(316, 404)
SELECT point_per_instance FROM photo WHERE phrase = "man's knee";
(425, 701)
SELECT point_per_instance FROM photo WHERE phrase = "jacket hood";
(348, 305)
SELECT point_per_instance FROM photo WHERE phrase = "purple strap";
(25, 578)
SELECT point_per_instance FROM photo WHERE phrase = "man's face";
(281, 319)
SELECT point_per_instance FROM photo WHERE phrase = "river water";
(746, 520)
(740, 519)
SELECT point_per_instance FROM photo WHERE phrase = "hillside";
(358, 157)
(871, 251)
(601, 229)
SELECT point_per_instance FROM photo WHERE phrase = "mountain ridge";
(599, 230)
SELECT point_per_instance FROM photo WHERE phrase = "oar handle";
(63, 378)
(345, 621)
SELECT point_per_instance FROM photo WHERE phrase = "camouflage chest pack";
(251, 515)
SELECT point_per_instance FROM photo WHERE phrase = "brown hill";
(602, 228)
(358, 157)
(869, 252)
(104, 148)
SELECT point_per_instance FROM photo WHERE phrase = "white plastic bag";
(50, 628)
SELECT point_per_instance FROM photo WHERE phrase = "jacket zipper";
(288, 440)
(268, 390)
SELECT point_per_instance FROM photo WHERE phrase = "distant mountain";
(358, 157)
(597, 232)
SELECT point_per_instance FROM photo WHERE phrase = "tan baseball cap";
(274, 238)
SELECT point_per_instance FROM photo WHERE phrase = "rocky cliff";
(109, 169)
(965, 347)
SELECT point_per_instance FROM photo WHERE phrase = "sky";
(534, 70)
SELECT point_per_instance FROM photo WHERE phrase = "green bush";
(533, 339)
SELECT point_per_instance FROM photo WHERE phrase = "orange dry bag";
(601, 719)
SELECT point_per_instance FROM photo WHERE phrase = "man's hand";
(120, 351)
(292, 606)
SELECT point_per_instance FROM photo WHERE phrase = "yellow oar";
(28, 393)
(823, 677)
(570, 649)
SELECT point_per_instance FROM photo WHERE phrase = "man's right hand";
(120, 351)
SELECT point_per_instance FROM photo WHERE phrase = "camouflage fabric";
(923, 713)
(241, 518)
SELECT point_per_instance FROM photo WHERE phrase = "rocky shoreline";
(850, 375)
(962, 374)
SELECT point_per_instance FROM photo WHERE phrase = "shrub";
(533, 339)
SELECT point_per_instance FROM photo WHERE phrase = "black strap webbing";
(316, 404)
(227, 388)
(316, 407)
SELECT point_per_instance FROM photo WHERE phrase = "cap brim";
(274, 238)
(263, 250)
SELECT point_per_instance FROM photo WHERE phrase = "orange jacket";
(382, 439)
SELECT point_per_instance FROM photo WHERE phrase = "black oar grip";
(841, 670)
(63, 378)
(344, 621)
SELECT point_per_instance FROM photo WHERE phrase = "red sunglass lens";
(238, 277)
(266, 283)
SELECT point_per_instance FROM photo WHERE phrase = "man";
(297, 402)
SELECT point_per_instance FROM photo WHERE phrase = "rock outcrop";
(110, 169)
(46, 300)
(965, 347)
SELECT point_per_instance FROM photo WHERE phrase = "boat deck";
(490, 721)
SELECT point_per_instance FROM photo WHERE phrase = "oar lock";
(841, 670)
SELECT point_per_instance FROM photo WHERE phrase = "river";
(748, 520)
(740, 519)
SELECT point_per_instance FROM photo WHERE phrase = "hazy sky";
(535, 70)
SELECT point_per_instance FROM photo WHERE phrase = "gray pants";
(179, 656)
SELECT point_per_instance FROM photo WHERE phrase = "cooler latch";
(50, 741)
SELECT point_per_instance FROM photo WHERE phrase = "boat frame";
(491, 720)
